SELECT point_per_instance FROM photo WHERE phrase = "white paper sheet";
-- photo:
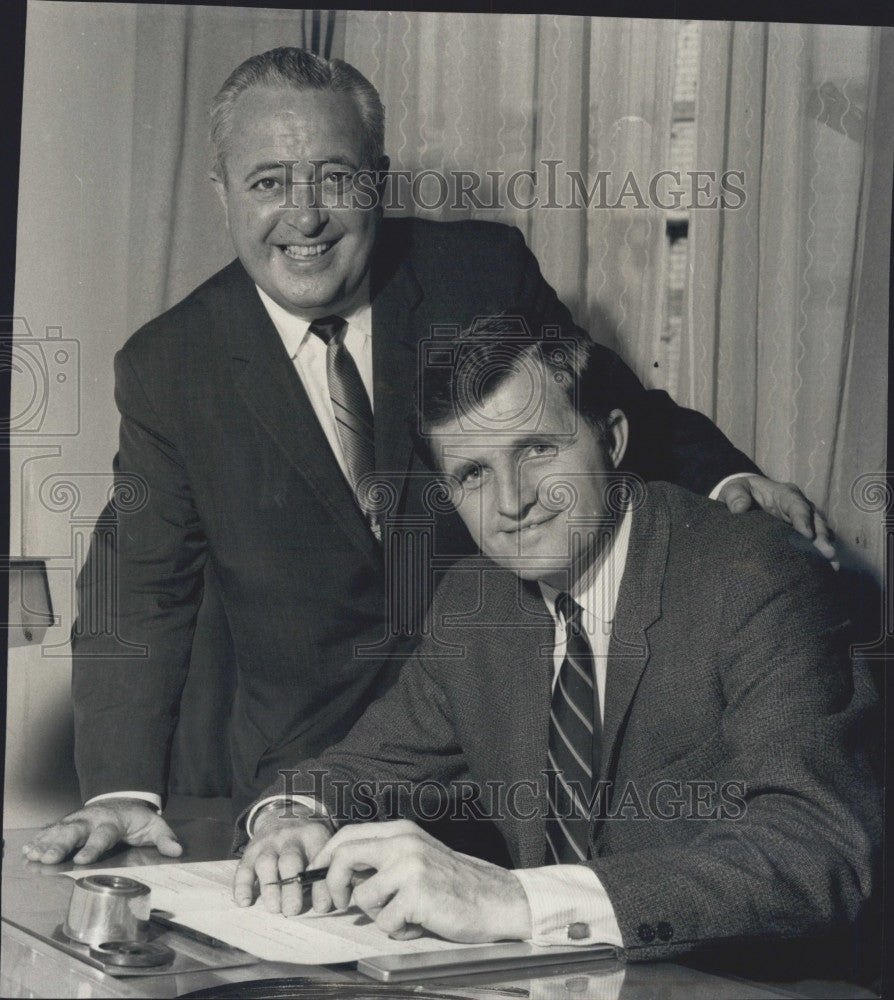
(199, 895)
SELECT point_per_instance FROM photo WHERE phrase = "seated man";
(651, 697)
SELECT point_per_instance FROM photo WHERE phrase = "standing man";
(254, 412)
(651, 696)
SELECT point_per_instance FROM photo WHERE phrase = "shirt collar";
(597, 589)
(294, 330)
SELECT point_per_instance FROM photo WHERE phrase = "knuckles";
(406, 827)
(413, 864)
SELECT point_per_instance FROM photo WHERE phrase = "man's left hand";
(418, 884)
(783, 500)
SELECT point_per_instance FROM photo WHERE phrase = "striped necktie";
(575, 734)
(353, 413)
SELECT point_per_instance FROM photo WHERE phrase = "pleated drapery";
(775, 341)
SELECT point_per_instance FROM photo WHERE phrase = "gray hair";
(303, 70)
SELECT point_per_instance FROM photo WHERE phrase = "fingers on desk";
(102, 837)
(54, 843)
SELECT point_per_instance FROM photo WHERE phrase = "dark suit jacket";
(728, 663)
(222, 462)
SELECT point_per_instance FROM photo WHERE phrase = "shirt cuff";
(715, 493)
(150, 798)
(569, 905)
(305, 800)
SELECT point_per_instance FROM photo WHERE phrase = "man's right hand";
(280, 848)
(94, 829)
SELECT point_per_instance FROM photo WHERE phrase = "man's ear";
(617, 431)
(220, 186)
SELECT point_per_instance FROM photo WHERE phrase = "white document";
(199, 896)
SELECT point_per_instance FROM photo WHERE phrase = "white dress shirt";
(308, 354)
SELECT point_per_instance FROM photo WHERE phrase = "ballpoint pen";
(305, 878)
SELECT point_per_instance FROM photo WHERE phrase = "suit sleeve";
(404, 739)
(667, 442)
(138, 597)
(795, 857)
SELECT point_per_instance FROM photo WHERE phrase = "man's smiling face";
(533, 476)
(308, 258)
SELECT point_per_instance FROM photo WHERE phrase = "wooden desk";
(35, 899)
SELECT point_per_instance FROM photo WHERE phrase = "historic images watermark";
(319, 184)
(45, 381)
(359, 801)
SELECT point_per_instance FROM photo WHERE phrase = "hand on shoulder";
(782, 500)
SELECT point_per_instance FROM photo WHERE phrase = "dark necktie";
(353, 413)
(575, 735)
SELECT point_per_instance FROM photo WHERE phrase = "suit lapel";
(266, 379)
(639, 606)
(395, 296)
(525, 667)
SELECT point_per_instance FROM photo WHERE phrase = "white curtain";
(775, 337)
(181, 57)
(773, 332)
(546, 94)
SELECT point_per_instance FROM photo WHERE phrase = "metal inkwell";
(110, 915)
(109, 925)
